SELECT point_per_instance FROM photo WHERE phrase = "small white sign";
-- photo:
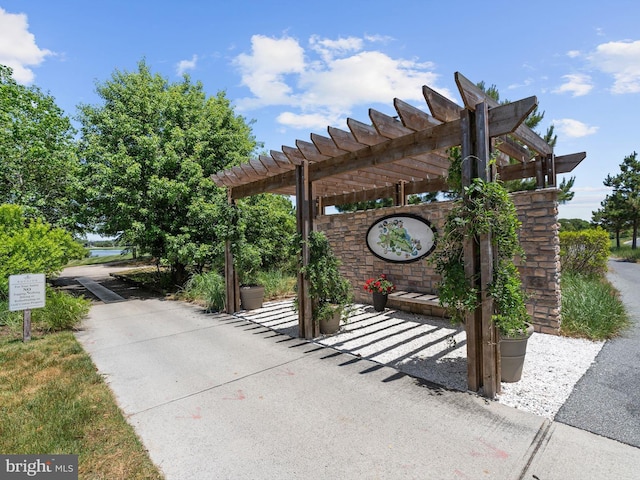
(26, 291)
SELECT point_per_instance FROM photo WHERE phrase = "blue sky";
(295, 67)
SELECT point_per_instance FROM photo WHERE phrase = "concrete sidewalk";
(215, 396)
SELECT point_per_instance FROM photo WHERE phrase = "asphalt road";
(606, 401)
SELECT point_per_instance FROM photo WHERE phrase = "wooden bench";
(422, 303)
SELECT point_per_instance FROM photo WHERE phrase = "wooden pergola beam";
(472, 95)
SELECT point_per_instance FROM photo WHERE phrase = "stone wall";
(539, 237)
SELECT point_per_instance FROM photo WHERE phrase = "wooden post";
(540, 172)
(400, 198)
(483, 363)
(552, 180)
(307, 328)
(26, 326)
(232, 288)
(473, 321)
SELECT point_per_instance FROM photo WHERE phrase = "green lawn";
(52, 400)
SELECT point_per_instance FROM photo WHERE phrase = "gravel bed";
(433, 349)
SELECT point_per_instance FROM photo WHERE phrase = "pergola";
(397, 156)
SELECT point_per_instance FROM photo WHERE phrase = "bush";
(32, 246)
(591, 307)
(277, 284)
(61, 312)
(207, 288)
(585, 252)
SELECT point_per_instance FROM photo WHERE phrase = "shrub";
(61, 312)
(585, 252)
(277, 284)
(208, 288)
(591, 307)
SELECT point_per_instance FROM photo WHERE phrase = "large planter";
(512, 353)
(251, 297)
(379, 301)
(332, 324)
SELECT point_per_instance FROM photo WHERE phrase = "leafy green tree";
(626, 191)
(269, 227)
(574, 224)
(38, 159)
(611, 216)
(368, 205)
(149, 150)
(30, 245)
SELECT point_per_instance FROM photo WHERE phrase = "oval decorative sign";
(401, 238)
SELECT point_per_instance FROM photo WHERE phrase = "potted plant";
(248, 263)
(330, 292)
(487, 208)
(380, 287)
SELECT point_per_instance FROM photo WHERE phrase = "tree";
(38, 158)
(573, 224)
(612, 216)
(149, 150)
(626, 192)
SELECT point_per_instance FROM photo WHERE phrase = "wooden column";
(232, 287)
(400, 197)
(307, 328)
(552, 180)
(483, 359)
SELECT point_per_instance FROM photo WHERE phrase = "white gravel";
(435, 350)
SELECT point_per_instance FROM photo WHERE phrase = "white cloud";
(329, 49)
(328, 79)
(573, 53)
(309, 121)
(18, 48)
(264, 70)
(622, 60)
(573, 128)
(184, 65)
(578, 84)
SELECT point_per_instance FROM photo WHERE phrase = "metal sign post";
(25, 293)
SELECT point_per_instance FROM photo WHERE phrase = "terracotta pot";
(251, 297)
(512, 353)
(379, 301)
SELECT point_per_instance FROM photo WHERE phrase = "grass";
(626, 253)
(591, 308)
(52, 400)
(208, 289)
(99, 260)
(277, 284)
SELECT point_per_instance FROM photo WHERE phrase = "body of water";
(104, 252)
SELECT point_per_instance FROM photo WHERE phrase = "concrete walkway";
(216, 396)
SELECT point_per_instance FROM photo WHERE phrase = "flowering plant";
(379, 285)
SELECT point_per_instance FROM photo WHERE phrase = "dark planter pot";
(512, 353)
(251, 297)
(332, 324)
(379, 301)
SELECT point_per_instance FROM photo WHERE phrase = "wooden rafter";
(412, 147)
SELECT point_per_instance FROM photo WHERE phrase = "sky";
(295, 67)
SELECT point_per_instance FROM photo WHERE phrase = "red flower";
(380, 285)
